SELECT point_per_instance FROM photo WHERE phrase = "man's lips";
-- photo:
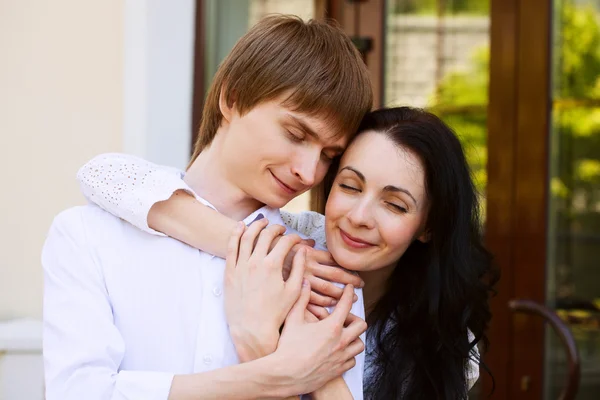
(353, 241)
(285, 187)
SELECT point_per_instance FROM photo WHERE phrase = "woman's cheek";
(398, 236)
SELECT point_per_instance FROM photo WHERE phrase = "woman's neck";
(376, 283)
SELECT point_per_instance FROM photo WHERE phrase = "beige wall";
(61, 85)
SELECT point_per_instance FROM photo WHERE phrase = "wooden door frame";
(517, 191)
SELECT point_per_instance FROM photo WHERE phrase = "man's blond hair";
(315, 62)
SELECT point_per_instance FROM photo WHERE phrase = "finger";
(233, 248)
(350, 319)
(265, 238)
(335, 274)
(325, 287)
(308, 242)
(282, 248)
(347, 366)
(356, 328)
(354, 348)
(342, 309)
(318, 311)
(322, 257)
(310, 317)
(294, 282)
(249, 238)
(320, 300)
(296, 314)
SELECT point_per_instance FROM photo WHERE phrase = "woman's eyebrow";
(390, 188)
(357, 172)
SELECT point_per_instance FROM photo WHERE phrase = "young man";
(129, 315)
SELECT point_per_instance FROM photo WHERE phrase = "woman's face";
(377, 205)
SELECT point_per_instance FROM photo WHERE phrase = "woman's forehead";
(381, 160)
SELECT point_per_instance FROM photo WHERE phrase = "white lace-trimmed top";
(127, 187)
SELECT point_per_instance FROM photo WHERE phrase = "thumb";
(296, 314)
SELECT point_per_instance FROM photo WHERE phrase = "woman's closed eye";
(349, 188)
(397, 208)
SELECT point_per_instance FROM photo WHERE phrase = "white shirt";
(124, 310)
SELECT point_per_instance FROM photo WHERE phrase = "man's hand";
(313, 353)
(257, 299)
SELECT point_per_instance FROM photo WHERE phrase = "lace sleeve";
(128, 186)
(309, 223)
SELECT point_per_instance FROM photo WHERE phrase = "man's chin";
(273, 200)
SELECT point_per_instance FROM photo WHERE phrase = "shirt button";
(207, 359)
(217, 291)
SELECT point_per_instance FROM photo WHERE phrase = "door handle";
(566, 337)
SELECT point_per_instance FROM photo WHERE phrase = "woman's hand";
(314, 353)
(257, 299)
(323, 273)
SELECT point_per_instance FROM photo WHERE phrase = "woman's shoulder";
(309, 223)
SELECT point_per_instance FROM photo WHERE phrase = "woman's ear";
(425, 236)
(226, 109)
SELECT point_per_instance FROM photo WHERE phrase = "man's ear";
(425, 236)
(226, 109)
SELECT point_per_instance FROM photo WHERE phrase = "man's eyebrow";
(310, 132)
(388, 188)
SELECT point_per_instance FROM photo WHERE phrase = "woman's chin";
(347, 260)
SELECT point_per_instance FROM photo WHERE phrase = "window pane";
(573, 275)
(437, 57)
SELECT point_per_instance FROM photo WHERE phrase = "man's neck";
(208, 178)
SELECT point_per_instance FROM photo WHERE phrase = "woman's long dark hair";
(439, 289)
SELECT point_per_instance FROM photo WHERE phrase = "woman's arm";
(334, 389)
(186, 219)
(154, 199)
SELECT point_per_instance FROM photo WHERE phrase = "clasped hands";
(268, 281)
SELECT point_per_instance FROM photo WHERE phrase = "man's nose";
(305, 167)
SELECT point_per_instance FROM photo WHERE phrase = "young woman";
(401, 211)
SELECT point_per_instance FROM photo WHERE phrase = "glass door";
(573, 268)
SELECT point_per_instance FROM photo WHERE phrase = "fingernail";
(355, 297)
(362, 284)
(333, 302)
(304, 282)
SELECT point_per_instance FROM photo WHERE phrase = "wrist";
(253, 344)
(334, 389)
(273, 378)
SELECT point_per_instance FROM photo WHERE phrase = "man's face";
(274, 154)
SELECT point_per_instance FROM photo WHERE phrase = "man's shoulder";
(83, 215)
(89, 222)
